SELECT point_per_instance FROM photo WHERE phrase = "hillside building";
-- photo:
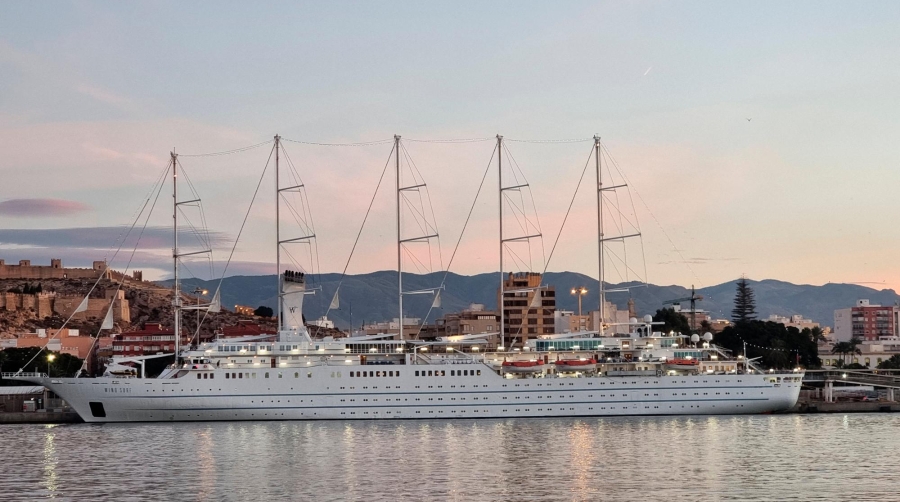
(794, 321)
(867, 322)
(522, 322)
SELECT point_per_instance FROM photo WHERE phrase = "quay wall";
(38, 417)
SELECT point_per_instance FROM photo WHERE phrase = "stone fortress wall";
(46, 304)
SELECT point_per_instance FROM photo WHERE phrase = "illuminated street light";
(579, 291)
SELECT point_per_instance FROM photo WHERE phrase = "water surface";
(747, 458)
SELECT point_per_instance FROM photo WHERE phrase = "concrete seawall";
(50, 417)
(845, 407)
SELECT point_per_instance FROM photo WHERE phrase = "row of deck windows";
(363, 374)
(452, 373)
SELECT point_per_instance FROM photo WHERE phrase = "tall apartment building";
(521, 322)
(867, 322)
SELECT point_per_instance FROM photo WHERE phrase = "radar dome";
(707, 336)
(633, 320)
(695, 338)
(648, 318)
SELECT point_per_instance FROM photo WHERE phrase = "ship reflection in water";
(779, 457)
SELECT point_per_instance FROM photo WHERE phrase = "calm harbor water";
(780, 457)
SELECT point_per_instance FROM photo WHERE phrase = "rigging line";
(362, 143)
(100, 278)
(414, 260)
(463, 231)
(141, 207)
(238, 238)
(246, 215)
(121, 283)
(566, 217)
(537, 218)
(427, 196)
(226, 152)
(465, 140)
(655, 219)
(421, 223)
(202, 214)
(304, 202)
(549, 140)
(355, 242)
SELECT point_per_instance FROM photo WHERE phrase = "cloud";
(104, 96)
(41, 207)
(102, 238)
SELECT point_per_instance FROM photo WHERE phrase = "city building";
(63, 341)
(473, 320)
(247, 329)
(323, 322)
(867, 322)
(411, 327)
(525, 316)
(245, 310)
(794, 321)
(872, 353)
(149, 339)
(695, 318)
(566, 321)
(616, 322)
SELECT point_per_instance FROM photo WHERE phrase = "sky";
(758, 138)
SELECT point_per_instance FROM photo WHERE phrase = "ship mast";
(599, 230)
(176, 302)
(399, 238)
(279, 293)
(500, 302)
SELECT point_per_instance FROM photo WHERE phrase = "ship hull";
(330, 393)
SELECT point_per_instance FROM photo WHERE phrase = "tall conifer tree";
(744, 303)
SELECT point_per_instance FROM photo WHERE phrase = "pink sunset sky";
(760, 139)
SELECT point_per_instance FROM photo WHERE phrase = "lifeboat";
(576, 364)
(523, 366)
(683, 364)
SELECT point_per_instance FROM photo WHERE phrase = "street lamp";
(50, 358)
(580, 291)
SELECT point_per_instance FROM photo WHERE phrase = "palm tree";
(853, 345)
(842, 348)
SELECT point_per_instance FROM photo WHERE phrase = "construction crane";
(694, 298)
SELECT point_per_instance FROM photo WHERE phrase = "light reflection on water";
(780, 457)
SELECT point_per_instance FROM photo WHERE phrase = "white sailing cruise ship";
(297, 377)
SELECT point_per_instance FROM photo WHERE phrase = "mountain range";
(373, 297)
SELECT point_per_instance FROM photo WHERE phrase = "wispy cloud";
(41, 207)
(101, 237)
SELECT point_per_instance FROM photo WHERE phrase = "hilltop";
(373, 296)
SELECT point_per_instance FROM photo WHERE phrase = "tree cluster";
(263, 311)
(63, 365)
(780, 345)
(672, 321)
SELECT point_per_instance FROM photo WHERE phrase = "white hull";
(329, 393)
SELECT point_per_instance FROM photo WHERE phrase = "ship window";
(429, 373)
(266, 375)
(280, 375)
(417, 372)
(309, 374)
(443, 373)
(212, 375)
(296, 375)
(452, 373)
(479, 372)
(198, 376)
(351, 374)
(226, 375)
(391, 373)
(240, 375)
